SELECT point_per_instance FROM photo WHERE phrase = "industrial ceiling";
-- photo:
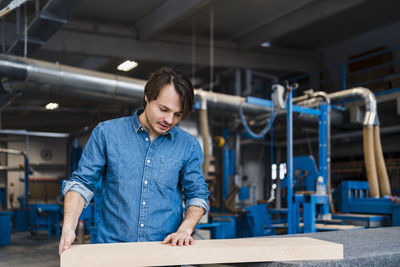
(99, 35)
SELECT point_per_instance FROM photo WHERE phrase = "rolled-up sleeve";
(90, 168)
(195, 188)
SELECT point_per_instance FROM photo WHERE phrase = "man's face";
(163, 113)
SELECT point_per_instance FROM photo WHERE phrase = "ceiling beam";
(94, 44)
(166, 15)
(293, 20)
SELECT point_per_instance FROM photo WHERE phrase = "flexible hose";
(383, 178)
(205, 133)
(264, 131)
(369, 157)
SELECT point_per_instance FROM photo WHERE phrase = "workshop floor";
(28, 250)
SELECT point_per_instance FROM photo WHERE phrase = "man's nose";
(169, 118)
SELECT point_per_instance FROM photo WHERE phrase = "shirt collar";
(138, 127)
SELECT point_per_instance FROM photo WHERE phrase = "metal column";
(225, 185)
(323, 168)
(289, 140)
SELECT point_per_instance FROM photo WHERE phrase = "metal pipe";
(11, 168)
(93, 83)
(40, 134)
(370, 121)
(12, 151)
(370, 118)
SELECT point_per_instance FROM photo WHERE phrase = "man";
(146, 164)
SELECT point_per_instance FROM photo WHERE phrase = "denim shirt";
(142, 181)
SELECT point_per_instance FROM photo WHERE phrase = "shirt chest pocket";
(168, 174)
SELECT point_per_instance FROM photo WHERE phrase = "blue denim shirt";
(142, 181)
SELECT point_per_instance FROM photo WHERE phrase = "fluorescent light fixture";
(127, 65)
(52, 106)
(266, 44)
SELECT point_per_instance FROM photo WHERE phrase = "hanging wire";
(3, 35)
(194, 50)
(211, 47)
(26, 30)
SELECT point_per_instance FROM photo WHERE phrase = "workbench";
(366, 247)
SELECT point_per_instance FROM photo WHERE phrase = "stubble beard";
(153, 128)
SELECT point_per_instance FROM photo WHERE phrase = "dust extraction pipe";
(373, 155)
(205, 133)
(380, 164)
(94, 83)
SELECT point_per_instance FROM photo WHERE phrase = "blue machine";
(355, 198)
(5, 226)
(256, 221)
(309, 183)
(221, 227)
(45, 217)
(305, 172)
(2, 198)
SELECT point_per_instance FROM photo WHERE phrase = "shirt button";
(147, 139)
(148, 161)
(142, 225)
(144, 202)
(145, 182)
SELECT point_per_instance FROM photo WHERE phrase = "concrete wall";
(254, 160)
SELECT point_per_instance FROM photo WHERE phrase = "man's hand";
(73, 206)
(67, 238)
(180, 238)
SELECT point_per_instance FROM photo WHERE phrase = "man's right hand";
(67, 238)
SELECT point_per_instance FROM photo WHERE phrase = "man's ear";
(145, 99)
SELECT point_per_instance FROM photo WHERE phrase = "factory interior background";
(302, 108)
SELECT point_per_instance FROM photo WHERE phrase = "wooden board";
(321, 226)
(203, 252)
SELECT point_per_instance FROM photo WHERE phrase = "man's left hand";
(179, 238)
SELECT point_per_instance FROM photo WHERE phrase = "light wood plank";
(203, 252)
(321, 226)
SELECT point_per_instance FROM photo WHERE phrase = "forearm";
(192, 218)
(73, 206)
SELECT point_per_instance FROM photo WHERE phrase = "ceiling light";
(127, 65)
(52, 106)
(266, 44)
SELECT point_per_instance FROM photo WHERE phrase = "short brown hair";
(164, 76)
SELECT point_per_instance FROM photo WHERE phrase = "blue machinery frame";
(293, 202)
(354, 198)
